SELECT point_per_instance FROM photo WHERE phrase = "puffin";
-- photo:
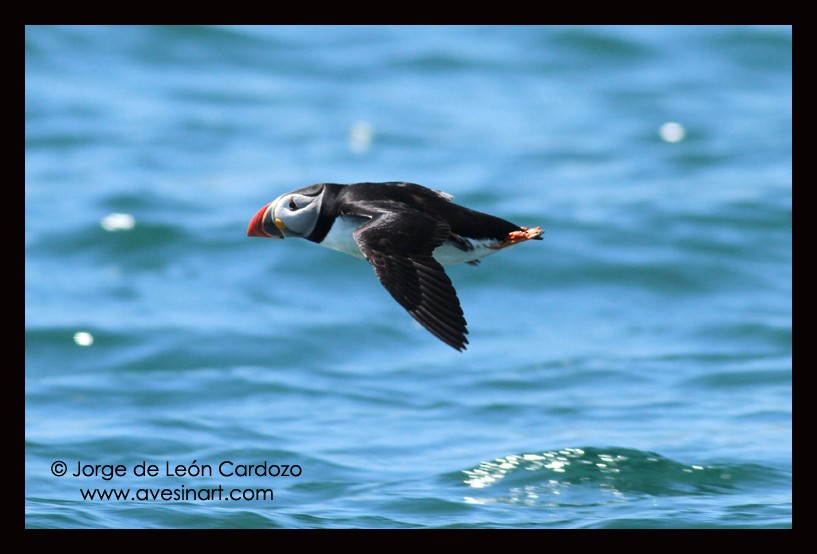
(406, 231)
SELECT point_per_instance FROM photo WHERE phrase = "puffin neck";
(326, 217)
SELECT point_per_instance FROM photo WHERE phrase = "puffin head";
(293, 214)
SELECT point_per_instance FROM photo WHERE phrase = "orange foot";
(515, 237)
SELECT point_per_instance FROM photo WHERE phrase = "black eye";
(292, 205)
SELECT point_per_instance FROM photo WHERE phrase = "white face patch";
(296, 214)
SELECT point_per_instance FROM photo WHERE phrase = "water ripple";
(591, 476)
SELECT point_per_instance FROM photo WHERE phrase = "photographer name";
(225, 468)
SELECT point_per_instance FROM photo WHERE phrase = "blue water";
(633, 369)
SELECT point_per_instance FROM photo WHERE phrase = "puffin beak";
(262, 225)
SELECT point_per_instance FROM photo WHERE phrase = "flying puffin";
(406, 231)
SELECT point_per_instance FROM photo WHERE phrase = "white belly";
(340, 238)
(448, 253)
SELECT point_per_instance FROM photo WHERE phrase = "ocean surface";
(631, 370)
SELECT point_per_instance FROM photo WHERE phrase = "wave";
(592, 476)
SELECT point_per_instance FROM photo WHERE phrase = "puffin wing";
(399, 242)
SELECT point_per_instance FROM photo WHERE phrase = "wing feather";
(398, 243)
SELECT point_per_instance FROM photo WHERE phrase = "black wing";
(399, 243)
